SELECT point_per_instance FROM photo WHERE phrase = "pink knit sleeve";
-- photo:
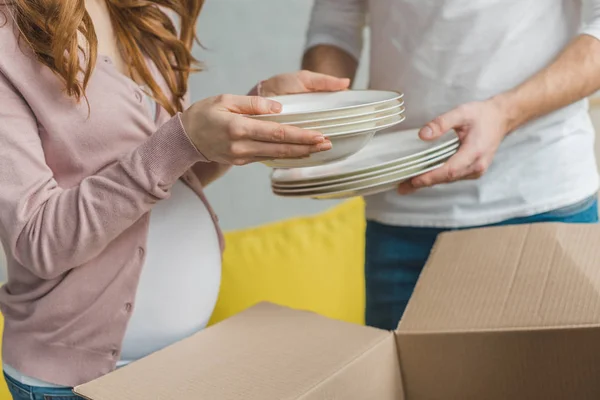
(50, 229)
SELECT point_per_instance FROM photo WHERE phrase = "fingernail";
(319, 138)
(275, 107)
(325, 146)
(417, 184)
(426, 132)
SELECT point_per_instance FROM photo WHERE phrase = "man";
(510, 76)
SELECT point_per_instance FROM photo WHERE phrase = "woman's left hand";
(301, 82)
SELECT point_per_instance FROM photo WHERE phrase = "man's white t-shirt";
(444, 53)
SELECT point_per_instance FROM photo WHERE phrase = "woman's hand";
(301, 82)
(221, 134)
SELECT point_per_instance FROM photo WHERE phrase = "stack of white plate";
(349, 119)
(389, 159)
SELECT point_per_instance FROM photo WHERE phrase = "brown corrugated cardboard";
(498, 313)
(266, 352)
(506, 313)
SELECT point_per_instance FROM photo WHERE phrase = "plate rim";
(401, 110)
(397, 96)
(398, 170)
(341, 193)
(310, 121)
(381, 165)
(372, 172)
(363, 130)
(385, 186)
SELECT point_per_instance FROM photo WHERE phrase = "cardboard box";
(498, 313)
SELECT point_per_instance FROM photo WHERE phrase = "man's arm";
(207, 173)
(335, 37)
(482, 125)
(574, 75)
(330, 60)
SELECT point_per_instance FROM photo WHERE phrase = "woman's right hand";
(219, 131)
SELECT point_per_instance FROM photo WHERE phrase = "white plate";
(352, 128)
(377, 186)
(355, 117)
(385, 150)
(344, 145)
(390, 174)
(367, 190)
(360, 124)
(309, 106)
(376, 172)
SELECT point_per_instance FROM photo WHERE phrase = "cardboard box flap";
(529, 276)
(506, 313)
(549, 364)
(267, 352)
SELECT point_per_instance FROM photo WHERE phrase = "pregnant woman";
(113, 251)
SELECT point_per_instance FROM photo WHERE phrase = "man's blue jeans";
(395, 257)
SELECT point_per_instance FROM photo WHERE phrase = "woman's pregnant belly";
(180, 279)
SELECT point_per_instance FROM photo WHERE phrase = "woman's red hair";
(143, 29)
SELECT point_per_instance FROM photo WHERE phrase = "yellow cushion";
(4, 395)
(313, 263)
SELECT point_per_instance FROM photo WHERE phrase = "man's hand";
(481, 127)
(302, 82)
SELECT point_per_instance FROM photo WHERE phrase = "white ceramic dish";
(380, 126)
(342, 147)
(366, 181)
(309, 106)
(385, 150)
(354, 118)
(375, 188)
(359, 176)
(344, 144)
(347, 128)
(381, 184)
(367, 190)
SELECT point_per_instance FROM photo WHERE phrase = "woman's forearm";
(55, 229)
(207, 173)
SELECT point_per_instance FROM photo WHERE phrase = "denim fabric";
(396, 255)
(20, 391)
